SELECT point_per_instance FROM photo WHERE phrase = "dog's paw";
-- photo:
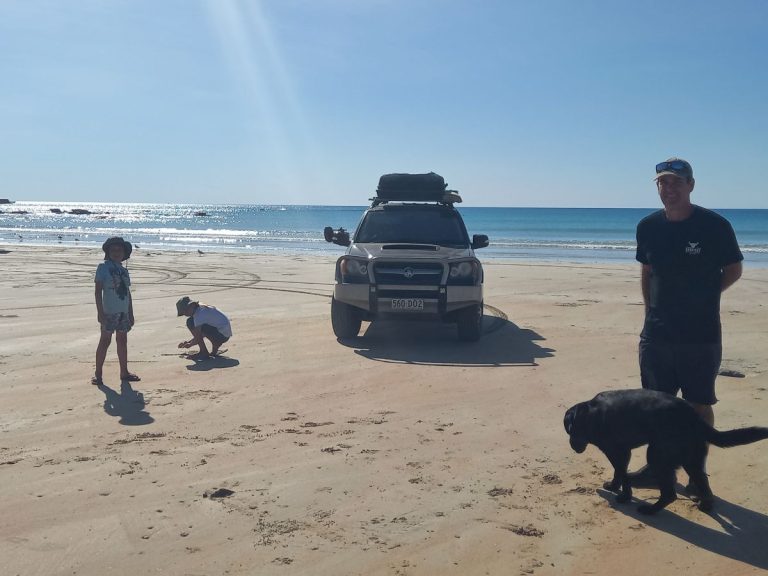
(705, 504)
(611, 485)
(646, 509)
(623, 497)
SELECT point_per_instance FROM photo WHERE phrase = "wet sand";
(401, 452)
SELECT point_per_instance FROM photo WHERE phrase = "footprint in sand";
(494, 492)
(528, 530)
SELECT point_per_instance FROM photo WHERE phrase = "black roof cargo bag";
(403, 187)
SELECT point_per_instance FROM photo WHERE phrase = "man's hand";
(185, 344)
(731, 273)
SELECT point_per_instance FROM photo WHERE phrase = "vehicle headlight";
(353, 271)
(467, 272)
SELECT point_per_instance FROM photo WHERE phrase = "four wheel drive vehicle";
(410, 258)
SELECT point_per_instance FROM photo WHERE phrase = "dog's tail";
(728, 438)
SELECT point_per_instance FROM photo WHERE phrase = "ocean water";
(553, 234)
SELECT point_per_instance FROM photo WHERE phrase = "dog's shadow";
(744, 535)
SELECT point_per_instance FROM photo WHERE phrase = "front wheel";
(470, 323)
(345, 319)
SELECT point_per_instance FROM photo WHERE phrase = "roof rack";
(447, 198)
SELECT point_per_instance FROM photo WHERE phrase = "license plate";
(407, 304)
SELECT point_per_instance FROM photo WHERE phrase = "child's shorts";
(209, 332)
(116, 323)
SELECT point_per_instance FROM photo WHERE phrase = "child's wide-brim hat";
(117, 240)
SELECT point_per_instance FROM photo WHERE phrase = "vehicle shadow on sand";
(502, 344)
(743, 536)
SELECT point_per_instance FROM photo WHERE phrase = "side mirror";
(479, 241)
(340, 236)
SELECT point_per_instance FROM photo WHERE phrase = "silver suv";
(410, 258)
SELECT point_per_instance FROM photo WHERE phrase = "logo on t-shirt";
(693, 249)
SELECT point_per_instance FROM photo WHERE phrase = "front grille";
(408, 273)
(425, 294)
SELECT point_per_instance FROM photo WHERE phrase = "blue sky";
(516, 103)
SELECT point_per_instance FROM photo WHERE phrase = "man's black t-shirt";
(687, 260)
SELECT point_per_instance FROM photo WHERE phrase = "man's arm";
(130, 310)
(731, 273)
(645, 283)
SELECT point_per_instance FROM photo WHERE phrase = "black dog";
(619, 420)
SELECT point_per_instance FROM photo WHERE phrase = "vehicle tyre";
(470, 323)
(345, 319)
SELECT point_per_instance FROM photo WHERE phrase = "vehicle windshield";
(413, 225)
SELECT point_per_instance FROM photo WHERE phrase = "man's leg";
(657, 367)
(706, 412)
(708, 415)
(657, 372)
(698, 375)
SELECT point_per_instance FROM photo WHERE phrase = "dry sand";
(403, 452)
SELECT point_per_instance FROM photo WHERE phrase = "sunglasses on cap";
(673, 166)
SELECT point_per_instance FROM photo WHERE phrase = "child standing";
(114, 307)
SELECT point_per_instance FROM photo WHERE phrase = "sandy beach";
(402, 452)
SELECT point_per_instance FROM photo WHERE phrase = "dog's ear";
(575, 423)
(568, 419)
(574, 417)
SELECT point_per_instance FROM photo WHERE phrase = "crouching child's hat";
(181, 305)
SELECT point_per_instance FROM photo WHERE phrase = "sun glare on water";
(278, 124)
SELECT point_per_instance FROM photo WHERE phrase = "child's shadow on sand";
(211, 362)
(128, 405)
(743, 538)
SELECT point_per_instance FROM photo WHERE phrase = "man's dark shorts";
(209, 332)
(671, 367)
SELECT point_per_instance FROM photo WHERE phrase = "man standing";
(689, 255)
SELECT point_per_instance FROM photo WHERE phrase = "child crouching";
(204, 322)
